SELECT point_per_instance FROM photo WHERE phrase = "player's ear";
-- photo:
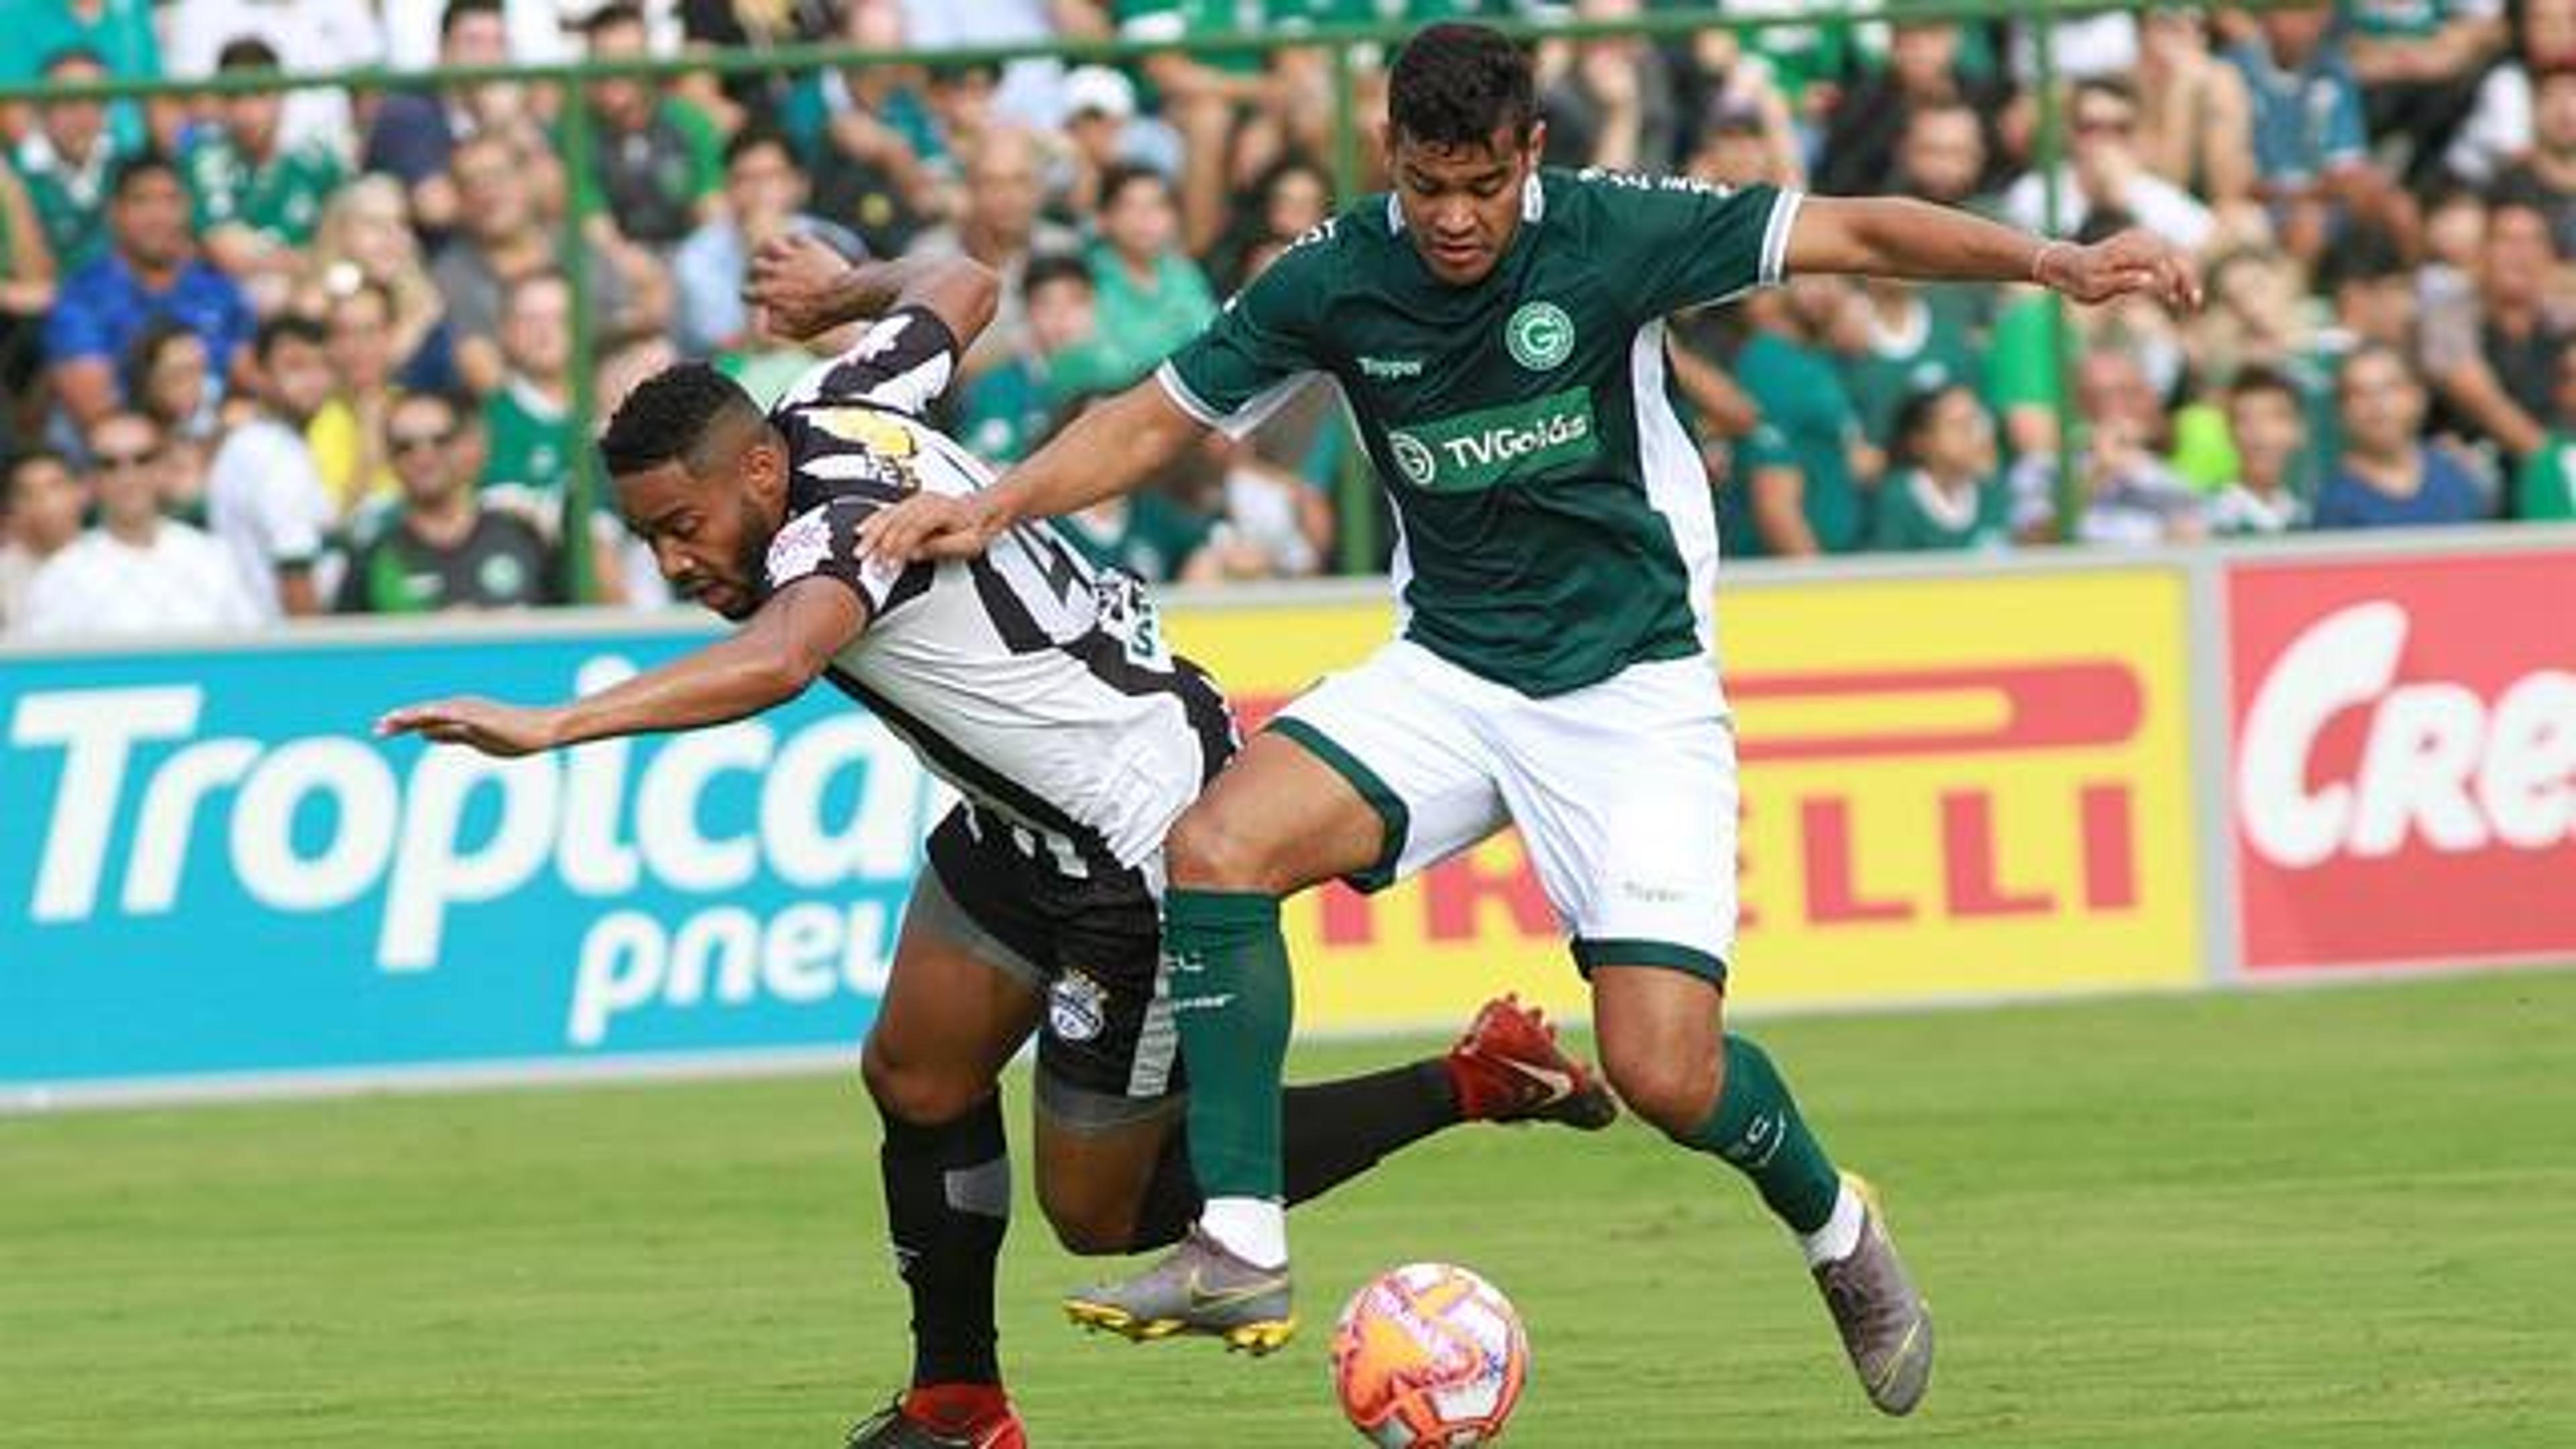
(764, 473)
(1535, 146)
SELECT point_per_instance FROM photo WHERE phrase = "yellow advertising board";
(1952, 788)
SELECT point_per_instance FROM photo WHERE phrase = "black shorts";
(1108, 1053)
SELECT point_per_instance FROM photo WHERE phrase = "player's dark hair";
(288, 327)
(1045, 269)
(680, 413)
(1456, 85)
(246, 52)
(147, 162)
(1116, 178)
(71, 54)
(754, 134)
(458, 10)
(2262, 377)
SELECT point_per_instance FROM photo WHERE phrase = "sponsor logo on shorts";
(1077, 1007)
(1391, 368)
(1539, 336)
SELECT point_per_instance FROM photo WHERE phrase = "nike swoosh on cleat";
(1201, 1298)
(1560, 1085)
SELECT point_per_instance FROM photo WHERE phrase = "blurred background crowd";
(268, 355)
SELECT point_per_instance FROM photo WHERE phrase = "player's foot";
(1508, 1068)
(908, 1424)
(1885, 1324)
(1197, 1288)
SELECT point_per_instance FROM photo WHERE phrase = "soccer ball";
(1429, 1356)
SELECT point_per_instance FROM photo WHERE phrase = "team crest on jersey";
(1413, 458)
(801, 546)
(1539, 336)
(1077, 1008)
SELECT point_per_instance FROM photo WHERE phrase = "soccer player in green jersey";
(1498, 330)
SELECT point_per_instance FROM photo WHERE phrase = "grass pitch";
(2309, 1219)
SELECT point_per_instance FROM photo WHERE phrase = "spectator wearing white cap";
(1100, 119)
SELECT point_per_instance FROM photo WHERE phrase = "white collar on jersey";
(1533, 204)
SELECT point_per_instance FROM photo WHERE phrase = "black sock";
(948, 1202)
(1333, 1132)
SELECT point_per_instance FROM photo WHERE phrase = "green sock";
(1233, 1002)
(1756, 1129)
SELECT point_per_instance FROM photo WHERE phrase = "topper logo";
(2436, 761)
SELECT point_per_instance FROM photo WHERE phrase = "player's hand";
(929, 526)
(795, 279)
(503, 730)
(2132, 262)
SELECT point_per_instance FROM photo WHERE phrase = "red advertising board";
(2404, 759)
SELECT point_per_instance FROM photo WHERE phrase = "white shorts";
(1624, 791)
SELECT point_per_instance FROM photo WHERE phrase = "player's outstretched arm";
(1107, 451)
(807, 288)
(1889, 236)
(769, 661)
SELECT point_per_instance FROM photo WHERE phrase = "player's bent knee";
(1674, 1092)
(1205, 851)
(919, 1092)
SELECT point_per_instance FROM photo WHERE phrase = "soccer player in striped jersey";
(1043, 691)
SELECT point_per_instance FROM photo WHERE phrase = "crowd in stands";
(271, 354)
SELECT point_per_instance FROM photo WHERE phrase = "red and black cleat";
(1508, 1068)
(925, 1420)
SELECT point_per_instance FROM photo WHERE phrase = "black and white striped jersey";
(1038, 686)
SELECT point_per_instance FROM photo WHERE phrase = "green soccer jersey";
(283, 198)
(1916, 514)
(1554, 523)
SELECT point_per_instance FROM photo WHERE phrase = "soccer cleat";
(1508, 1068)
(1198, 1288)
(895, 1427)
(1885, 1324)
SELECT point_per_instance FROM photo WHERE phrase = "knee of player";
(916, 1091)
(1674, 1091)
(1207, 851)
(1087, 1223)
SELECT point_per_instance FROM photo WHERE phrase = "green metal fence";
(1356, 502)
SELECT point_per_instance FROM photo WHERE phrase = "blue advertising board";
(209, 866)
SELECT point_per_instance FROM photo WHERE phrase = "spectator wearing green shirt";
(1805, 467)
(442, 548)
(2545, 489)
(1152, 297)
(657, 162)
(118, 36)
(254, 199)
(68, 159)
(1912, 340)
(1007, 410)
(1944, 493)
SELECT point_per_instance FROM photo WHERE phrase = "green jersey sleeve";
(1689, 242)
(1246, 361)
